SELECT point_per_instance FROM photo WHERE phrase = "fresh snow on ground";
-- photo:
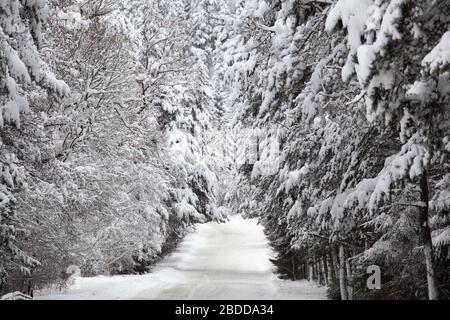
(218, 261)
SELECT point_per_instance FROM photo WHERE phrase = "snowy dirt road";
(218, 261)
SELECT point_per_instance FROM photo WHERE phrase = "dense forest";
(124, 123)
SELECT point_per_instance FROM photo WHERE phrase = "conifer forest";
(263, 149)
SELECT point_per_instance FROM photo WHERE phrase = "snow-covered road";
(218, 261)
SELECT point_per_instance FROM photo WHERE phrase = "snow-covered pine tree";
(23, 72)
(85, 178)
(185, 106)
(335, 183)
(403, 73)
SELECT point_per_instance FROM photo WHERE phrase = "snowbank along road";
(218, 261)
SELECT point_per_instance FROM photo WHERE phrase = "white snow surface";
(228, 261)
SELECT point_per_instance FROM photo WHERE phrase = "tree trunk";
(316, 270)
(319, 272)
(330, 270)
(342, 285)
(323, 269)
(334, 261)
(305, 270)
(257, 148)
(425, 233)
(349, 279)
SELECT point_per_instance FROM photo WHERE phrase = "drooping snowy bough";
(350, 108)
